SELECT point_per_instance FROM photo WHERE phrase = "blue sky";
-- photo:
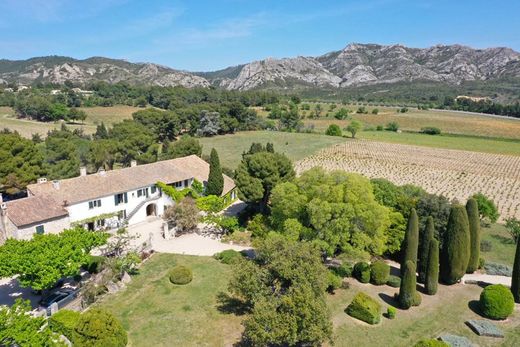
(207, 35)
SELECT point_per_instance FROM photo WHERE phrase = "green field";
(295, 145)
(158, 313)
(502, 245)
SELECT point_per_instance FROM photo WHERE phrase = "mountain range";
(355, 65)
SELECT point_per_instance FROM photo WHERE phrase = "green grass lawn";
(475, 144)
(158, 313)
(295, 145)
(502, 245)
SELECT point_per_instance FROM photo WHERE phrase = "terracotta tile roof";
(93, 186)
(33, 209)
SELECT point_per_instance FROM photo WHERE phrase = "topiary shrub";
(391, 312)
(344, 270)
(364, 308)
(496, 302)
(456, 246)
(408, 295)
(63, 322)
(474, 232)
(228, 256)
(361, 272)
(98, 327)
(432, 274)
(394, 281)
(431, 343)
(379, 272)
(180, 275)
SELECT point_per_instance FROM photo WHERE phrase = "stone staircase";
(141, 204)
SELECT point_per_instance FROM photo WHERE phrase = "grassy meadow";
(158, 313)
(502, 245)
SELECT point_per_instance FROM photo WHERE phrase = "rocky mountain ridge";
(355, 65)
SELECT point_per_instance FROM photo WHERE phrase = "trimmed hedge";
(394, 281)
(379, 272)
(228, 256)
(361, 272)
(364, 308)
(98, 327)
(180, 275)
(497, 302)
(63, 322)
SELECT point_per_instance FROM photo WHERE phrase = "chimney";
(83, 171)
(42, 180)
(56, 184)
(133, 163)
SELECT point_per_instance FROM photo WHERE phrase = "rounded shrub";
(391, 312)
(394, 281)
(98, 327)
(63, 322)
(365, 308)
(180, 275)
(344, 270)
(361, 272)
(431, 343)
(333, 130)
(496, 302)
(379, 272)
(228, 256)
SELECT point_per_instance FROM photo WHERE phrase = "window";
(178, 184)
(40, 229)
(153, 189)
(121, 198)
(186, 183)
(139, 193)
(94, 203)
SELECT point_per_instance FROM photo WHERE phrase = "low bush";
(333, 282)
(344, 270)
(63, 322)
(228, 256)
(392, 126)
(391, 312)
(98, 327)
(380, 128)
(180, 275)
(94, 264)
(364, 308)
(431, 343)
(333, 130)
(481, 263)
(379, 272)
(361, 272)
(431, 130)
(394, 281)
(497, 302)
(486, 246)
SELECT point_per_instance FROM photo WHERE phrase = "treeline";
(482, 106)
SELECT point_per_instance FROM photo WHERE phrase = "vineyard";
(453, 173)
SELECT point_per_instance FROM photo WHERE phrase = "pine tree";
(474, 232)
(411, 239)
(428, 235)
(456, 246)
(515, 281)
(101, 132)
(215, 184)
(432, 273)
(407, 292)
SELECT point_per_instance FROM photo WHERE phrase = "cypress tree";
(425, 249)
(432, 273)
(474, 234)
(407, 291)
(515, 281)
(456, 246)
(411, 239)
(215, 184)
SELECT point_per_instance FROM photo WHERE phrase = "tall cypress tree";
(515, 281)
(411, 239)
(428, 235)
(407, 292)
(456, 246)
(474, 234)
(215, 184)
(432, 273)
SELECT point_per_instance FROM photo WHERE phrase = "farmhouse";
(106, 199)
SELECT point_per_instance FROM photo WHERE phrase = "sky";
(205, 35)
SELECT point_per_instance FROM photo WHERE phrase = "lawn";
(295, 145)
(502, 245)
(158, 313)
(95, 115)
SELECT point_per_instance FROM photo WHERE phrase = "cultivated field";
(452, 173)
(295, 145)
(95, 115)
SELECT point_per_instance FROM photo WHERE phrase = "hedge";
(497, 302)
(228, 256)
(98, 327)
(394, 281)
(379, 272)
(63, 322)
(180, 275)
(344, 270)
(361, 272)
(364, 308)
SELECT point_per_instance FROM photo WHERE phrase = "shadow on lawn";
(474, 306)
(230, 305)
(503, 239)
